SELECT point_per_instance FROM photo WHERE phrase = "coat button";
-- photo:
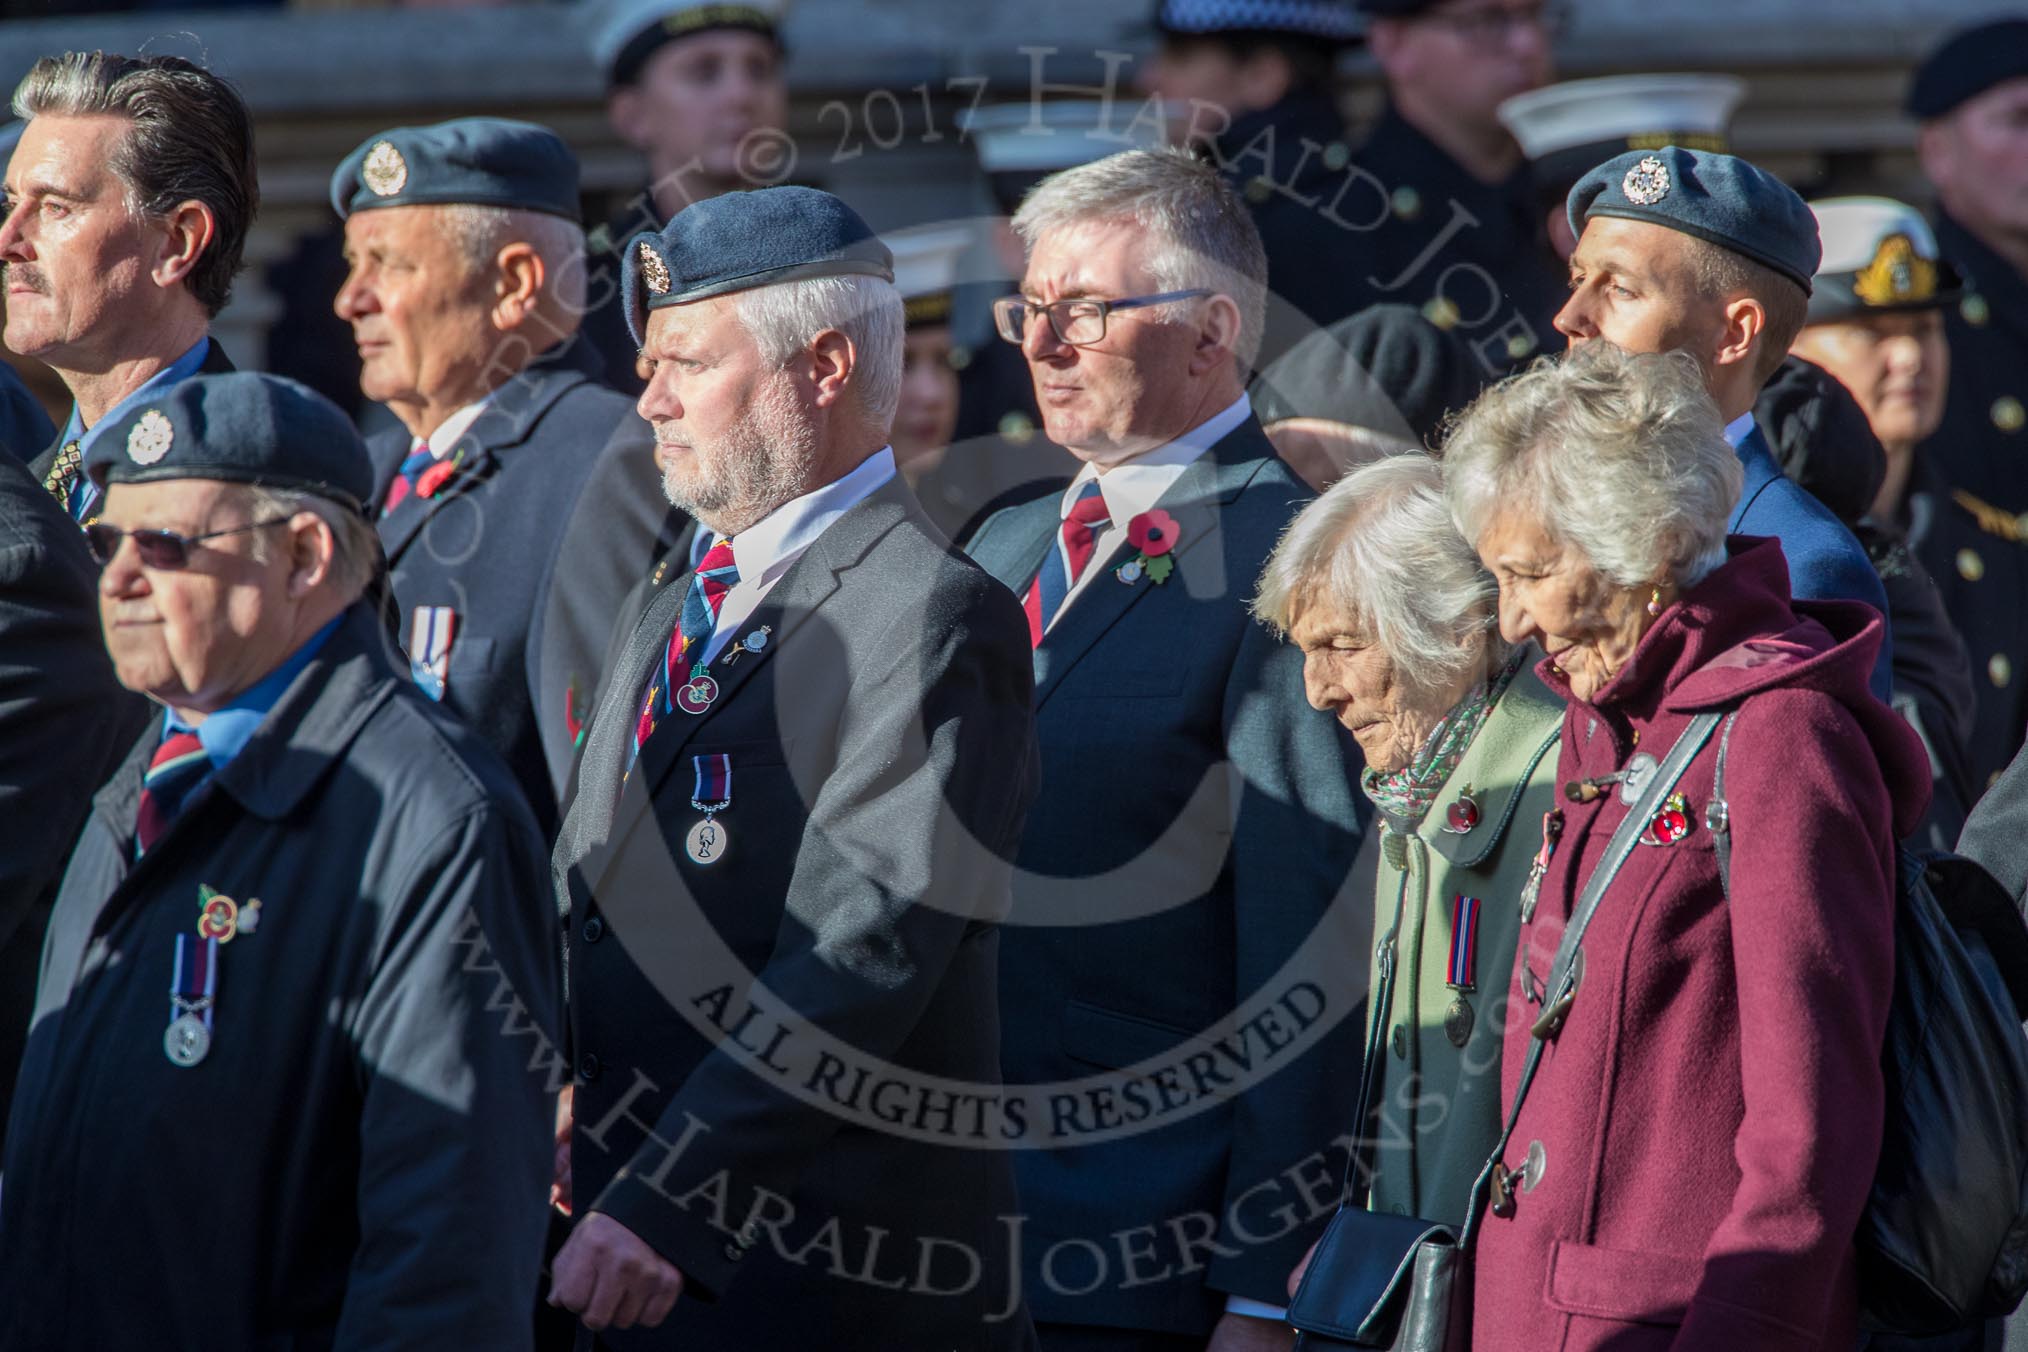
(1405, 202)
(1975, 310)
(588, 1067)
(2008, 415)
(1399, 1042)
(1970, 566)
(594, 930)
(734, 1252)
(1999, 670)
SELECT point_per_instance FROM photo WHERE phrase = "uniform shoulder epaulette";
(1991, 519)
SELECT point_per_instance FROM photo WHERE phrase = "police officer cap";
(1967, 65)
(1325, 20)
(742, 240)
(1720, 199)
(1880, 256)
(1386, 369)
(243, 427)
(479, 161)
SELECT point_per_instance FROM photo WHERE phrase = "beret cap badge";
(384, 170)
(150, 438)
(653, 270)
(1647, 182)
(1897, 275)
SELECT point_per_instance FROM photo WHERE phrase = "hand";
(608, 1277)
(1244, 1333)
(1296, 1277)
(559, 1187)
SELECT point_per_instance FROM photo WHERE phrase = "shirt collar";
(453, 428)
(1135, 485)
(182, 368)
(226, 731)
(762, 552)
(1739, 429)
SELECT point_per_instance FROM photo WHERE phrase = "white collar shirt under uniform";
(1134, 486)
(453, 428)
(764, 551)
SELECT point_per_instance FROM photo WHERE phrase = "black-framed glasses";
(1079, 321)
(1492, 26)
(160, 549)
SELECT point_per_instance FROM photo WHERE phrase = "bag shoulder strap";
(1562, 988)
(1719, 815)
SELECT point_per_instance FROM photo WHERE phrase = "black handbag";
(1401, 1282)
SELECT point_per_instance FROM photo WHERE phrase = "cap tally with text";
(1880, 256)
(926, 271)
(625, 33)
(1720, 199)
(474, 161)
(1565, 129)
(742, 240)
(1321, 20)
(242, 427)
(1966, 65)
(1020, 144)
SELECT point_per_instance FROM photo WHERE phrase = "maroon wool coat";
(1709, 1115)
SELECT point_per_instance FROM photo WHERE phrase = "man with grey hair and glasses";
(518, 502)
(129, 198)
(1197, 820)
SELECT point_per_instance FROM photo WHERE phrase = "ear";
(1745, 321)
(832, 362)
(628, 113)
(312, 549)
(186, 232)
(1383, 38)
(1936, 148)
(517, 285)
(1218, 327)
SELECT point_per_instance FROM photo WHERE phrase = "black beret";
(1386, 369)
(1966, 65)
(741, 240)
(475, 161)
(1822, 438)
(1720, 199)
(243, 427)
(1323, 20)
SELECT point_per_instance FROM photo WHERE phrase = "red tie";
(1065, 564)
(179, 763)
(716, 575)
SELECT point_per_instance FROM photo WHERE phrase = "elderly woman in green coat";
(1396, 619)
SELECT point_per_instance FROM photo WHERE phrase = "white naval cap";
(926, 269)
(1879, 255)
(625, 33)
(1020, 144)
(1568, 129)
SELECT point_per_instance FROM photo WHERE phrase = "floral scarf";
(1406, 795)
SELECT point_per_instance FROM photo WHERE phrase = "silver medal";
(188, 1041)
(707, 842)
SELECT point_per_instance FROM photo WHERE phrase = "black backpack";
(1944, 1239)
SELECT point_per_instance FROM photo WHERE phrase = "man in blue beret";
(289, 1078)
(519, 502)
(790, 835)
(129, 195)
(1705, 253)
(1971, 98)
(694, 86)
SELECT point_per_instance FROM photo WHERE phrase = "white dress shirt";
(1134, 486)
(453, 428)
(763, 551)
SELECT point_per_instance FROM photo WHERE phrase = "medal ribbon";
(193, 986)
(1464, 943)
(714, 783)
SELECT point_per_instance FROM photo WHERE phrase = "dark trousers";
(1095, 1338)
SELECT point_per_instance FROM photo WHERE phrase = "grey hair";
(1621, 455)
(481, 232)
(1200, 233)
(355, 545)
(783, 318)
(1379, 547)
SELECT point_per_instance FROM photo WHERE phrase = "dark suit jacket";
(882, 761)
(65, 722)
(361, 1160)
(555, 510)
(215, 363)
(23, 424)
(1197, 822)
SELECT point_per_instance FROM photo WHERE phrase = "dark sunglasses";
(162, 549)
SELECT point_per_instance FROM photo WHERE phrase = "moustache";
(20, 274)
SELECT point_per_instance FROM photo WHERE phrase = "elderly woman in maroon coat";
(1693, 1156)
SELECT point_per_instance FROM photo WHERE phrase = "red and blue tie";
(419, 459)
(715, 576)
(1086, 521)
(179, 763)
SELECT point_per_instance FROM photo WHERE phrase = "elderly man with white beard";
(789, 843)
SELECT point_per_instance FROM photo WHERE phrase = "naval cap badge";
(150, 438)
(653, 270)
(384, 170)
(1647, 182)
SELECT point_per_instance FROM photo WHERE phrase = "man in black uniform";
(1972, 99)
(278, 1091)
(520, 502)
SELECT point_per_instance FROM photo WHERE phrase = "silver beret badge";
(150, 438)
(1647, 182)
(653, 270)
(384, 170)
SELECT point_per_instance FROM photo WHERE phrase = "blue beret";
(1720, 199)
(243, 427)
(742, 240)
(475, 161)
(1967, 65)
(1326, 20)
